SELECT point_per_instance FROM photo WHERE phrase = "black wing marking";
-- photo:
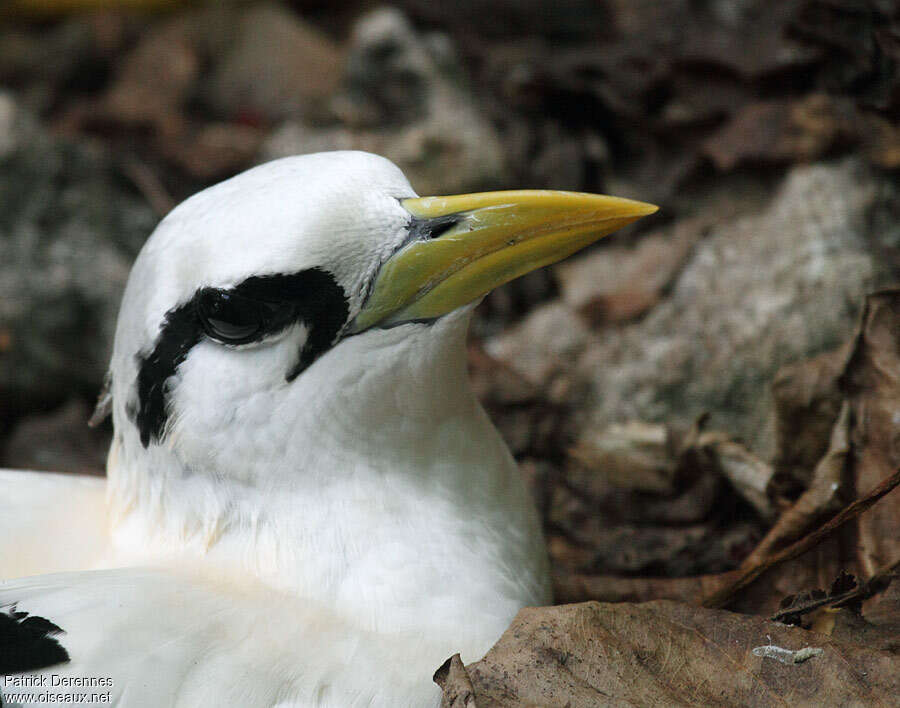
(28, 643)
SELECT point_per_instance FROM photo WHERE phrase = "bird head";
(258, 284)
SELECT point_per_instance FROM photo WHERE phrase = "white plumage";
(265, 538)
(327, 541)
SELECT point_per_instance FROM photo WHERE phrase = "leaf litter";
(623, 641)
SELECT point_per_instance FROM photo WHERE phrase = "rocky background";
(687, 399)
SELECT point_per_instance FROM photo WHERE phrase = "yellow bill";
(466, 245)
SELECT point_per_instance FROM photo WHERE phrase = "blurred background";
(633, 382)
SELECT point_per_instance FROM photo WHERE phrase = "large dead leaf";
(622, 282)
(748, 475)
(642, 498)
(861, 41)
(822, 496)
(864, 450)
(153, 80)
(664, 654)
(575, 587)
(781, 132)
(853, 392)
(807, 401)
(871, 383)
(632, 455)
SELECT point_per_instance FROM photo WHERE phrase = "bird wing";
(167, 636)
(50, 522)
(171, 635)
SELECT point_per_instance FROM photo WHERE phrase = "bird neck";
(390, 493)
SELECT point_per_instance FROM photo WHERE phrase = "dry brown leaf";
(864, 444)
(456, 686)
(882, 145)
(844, 592)
(576, 587)
(867, 371)
(871, 383)
(619, 283)
(780, 132)
(848, 626)
(748, 573)
(748, 474)
(213, 150)
(645, 498)
(807, 401)
(822, 497)
(153, 80)
(632, 455)
(664, 654)
(276, 66)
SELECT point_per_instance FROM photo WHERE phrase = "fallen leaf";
(794, 607)
(619, 283)
(632, 455)
(781, 132)
(822, 497)
(276, 66)
(807, 400)
(860, 45)
(575, 587)
(456, 686)
(749, 572)
(154, 80)
(848, 626)
(871, 382)
(665, 653)
(748, 474)
(882, 143)
(213, 150)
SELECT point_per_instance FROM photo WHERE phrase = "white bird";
(305, 505)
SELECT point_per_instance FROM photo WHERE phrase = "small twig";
(575, 587)
(863, 591)
(722, 596)
(149, 185)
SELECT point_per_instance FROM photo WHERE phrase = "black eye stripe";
(311, 297)
(233, 318)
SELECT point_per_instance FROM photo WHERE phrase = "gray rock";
(404, 97)
(69, 228)
(547, 343)
(765, 289)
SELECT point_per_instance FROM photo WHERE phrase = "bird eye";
(228, 317)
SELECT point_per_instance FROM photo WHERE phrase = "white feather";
(328, 541)
(169, 636)
(51, 522)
